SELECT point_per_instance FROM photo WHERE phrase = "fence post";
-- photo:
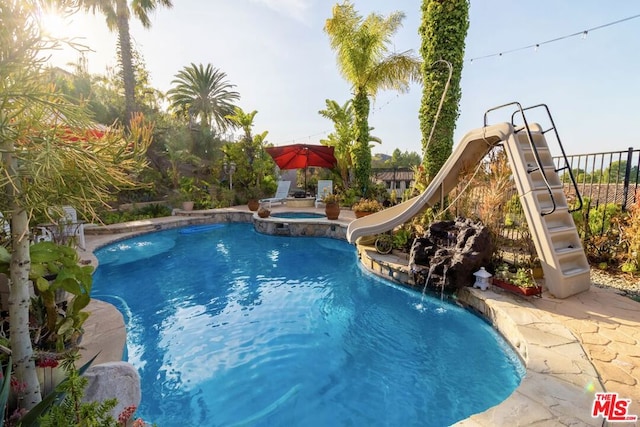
(627, 177)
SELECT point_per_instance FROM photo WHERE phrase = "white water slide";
(553, 231)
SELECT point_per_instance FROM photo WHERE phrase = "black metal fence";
(603, 178)
(608, 183)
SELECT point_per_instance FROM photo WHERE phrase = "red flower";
(126, 414)
(47, 362)
(17, 386)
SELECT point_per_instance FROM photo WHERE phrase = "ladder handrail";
(533, 148)
(564, 155)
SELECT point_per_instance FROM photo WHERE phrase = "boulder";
(446, 257)
(119, 380)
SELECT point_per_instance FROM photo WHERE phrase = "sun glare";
(56, 25)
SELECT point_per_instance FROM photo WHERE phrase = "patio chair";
(5, 229)
(325, 186)
(65, 228)
(281, 194)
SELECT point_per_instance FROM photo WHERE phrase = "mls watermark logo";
(612, 408)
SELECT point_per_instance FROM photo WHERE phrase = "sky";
(279, 58)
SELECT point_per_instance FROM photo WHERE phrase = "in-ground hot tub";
(304, 202)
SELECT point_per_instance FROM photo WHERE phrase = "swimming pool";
(230, 327)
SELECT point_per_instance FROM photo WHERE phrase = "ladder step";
(564, 252)
(540, 186)
(574, 271)
(561, 229)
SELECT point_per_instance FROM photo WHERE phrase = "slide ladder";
(541, 192)
(545, 206)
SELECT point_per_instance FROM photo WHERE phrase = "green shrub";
(155, 210)
(595, 220)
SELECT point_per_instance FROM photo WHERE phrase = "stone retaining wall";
(300, 228)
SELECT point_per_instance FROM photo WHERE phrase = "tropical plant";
(252, 146)
(43, 165)
(117, 14)
(57, 268)
(188, 189)
(364, 59)
(254, 167)
(203, 94)
(443, 32)
(343, 136)
(402, 238)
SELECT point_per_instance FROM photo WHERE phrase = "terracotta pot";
(537, 290)
(187, 206)
(263, 213)
(253, 205)
(332, 210)
(360, 214)
(537, 272)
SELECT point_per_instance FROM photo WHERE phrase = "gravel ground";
(625, 283)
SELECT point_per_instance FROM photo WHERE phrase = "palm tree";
(365, 61)
(252, 147)
(343, 137)
(117, 14)
(244, 121)
(203, 94)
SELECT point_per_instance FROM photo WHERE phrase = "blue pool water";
(297, 215)
(229, 327)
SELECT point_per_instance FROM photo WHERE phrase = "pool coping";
(560, 379)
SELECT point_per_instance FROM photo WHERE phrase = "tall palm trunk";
(362, 151)
(126, 56)
(19, 295)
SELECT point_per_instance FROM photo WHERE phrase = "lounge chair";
(5, 229)
(66, 227)
(281, 194)
(325, 186)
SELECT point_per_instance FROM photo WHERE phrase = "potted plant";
(331, 205)
(254, 193)
(366, 207)
(520, 282)
(187, 190)
(263, 212)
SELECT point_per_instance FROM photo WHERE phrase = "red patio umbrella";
(299, 156)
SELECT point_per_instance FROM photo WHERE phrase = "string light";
(583, 34)
(325, 132)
